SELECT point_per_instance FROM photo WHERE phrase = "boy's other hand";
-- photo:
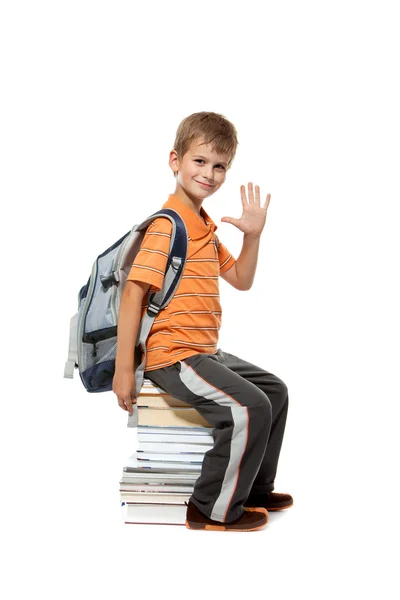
(124, 388)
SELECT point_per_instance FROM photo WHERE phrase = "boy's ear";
(173, 161)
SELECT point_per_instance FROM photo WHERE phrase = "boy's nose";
(209, 174)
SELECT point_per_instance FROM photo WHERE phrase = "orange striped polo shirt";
(191, 321)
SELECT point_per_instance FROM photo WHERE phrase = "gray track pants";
(247, 407)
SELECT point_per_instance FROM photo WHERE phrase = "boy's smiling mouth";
(205, 184)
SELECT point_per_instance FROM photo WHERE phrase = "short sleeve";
(151, 260)
(226, 260)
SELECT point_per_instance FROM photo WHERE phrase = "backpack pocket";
(97, 367)
(98, 352)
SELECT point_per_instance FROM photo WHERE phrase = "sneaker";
(271, 501)
(253, 518)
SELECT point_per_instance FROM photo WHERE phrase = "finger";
(251, 193)
(257, 191)
(230, 220)
(243, 195)
(267, 201)
(121, 404)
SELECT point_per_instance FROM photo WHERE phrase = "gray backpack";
(93, 329)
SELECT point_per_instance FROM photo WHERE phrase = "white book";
(149, 387)
(145, 465)
(172, 478)
(148, 383)
(162, 514)
(167, 483)
(154, 497)
(151, 488)
(178, 458)
(181, 438)
(173, 448)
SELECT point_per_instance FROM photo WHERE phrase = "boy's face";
(202, 171)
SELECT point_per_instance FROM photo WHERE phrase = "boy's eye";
(201, 160)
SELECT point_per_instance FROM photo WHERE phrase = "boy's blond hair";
(215, 129)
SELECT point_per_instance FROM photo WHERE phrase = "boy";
(245, 405)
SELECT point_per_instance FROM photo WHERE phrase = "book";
(146, 481)
(184, 417)
(148, 387)
(152, 488)
(161, 431)
(154, 497)
(172, 438)
(155, 514)
(146, 472)
(173, 448)
(168, 467)
(137, 476)
(160, 401)
(180, 457)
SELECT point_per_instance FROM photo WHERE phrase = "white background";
(92, 94)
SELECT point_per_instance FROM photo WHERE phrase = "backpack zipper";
(114, 303)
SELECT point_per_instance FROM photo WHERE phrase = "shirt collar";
(195, 225)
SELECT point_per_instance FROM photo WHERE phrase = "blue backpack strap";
(158, 300)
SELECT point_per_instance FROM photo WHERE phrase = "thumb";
(131, 403)
(230, 220)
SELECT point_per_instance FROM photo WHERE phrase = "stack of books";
(158, 479)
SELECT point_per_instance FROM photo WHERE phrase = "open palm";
(254, 215)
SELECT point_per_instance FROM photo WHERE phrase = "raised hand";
(254, 215)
